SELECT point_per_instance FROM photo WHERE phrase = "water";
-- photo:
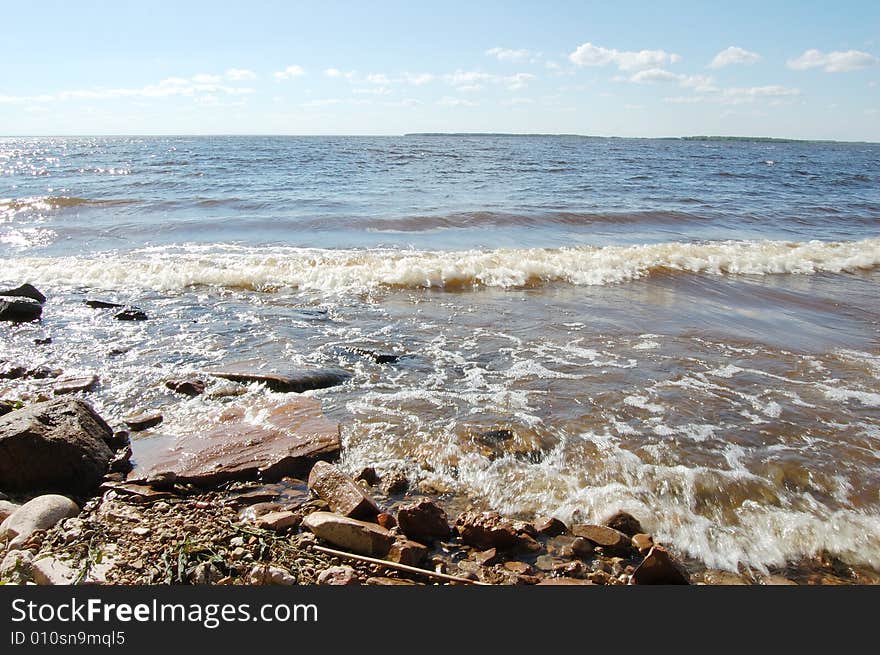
(683, 329)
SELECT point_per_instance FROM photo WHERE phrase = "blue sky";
(781, 69)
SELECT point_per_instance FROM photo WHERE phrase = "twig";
(400, 567)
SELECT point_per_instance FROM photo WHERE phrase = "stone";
(20, 311)
(40, 513)
(288, 439)
(550, 527)
(341, 576)
(7, 508)
(527, 543)
(57, 445)
(390, 582)
(119, 439)
(296, 381)
(625, 523)
(378, 357)
(131, 314)
(386, 520)
(423, 521)
(485, 530)
(368, 474)
(582, 548)
(659, 568)
(188, 387)
(564, 581)
(520, 568)
(142, 531)
(17, 566)
(205, 573)
(278, 521)
(121, 462)
(394, 483)
(102, 304)
(263, 574)
(350, 534)
(723, 578)
(404, 551)
(143, 421)
(74, 384)
(546, 562)
(487, 557)
(609, 539)
(52, 571)
(342, 494)
(642, 542)
(25, 290)
(777, 580)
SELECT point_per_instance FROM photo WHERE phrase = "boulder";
(20, 311)
(278, 521)
(297, 381)
(52, 571)
(659, 567)
(17, 566)
(40, 513)
(581, 548)
(342, 494)
(188, 386)
(25, 290)
(58, 445)
(423, 521)
(609, 539)
(7, 508)
(131, 314)
(404, 551)
(74, 384)
(642, 542)
(486, 530)
(350, 534)
(342, 576)
(394, 483)
(286, 441)
(625, 523)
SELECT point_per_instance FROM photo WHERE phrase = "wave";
(264, 269)
(12, 206)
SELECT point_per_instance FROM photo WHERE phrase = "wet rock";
(724, 578)
(40, 513)
(394, 483)
(582, 548)
(286, 442)
(7, 508)
(609, 539)
(342, 576)
(485, 530)
(143, 421)
(546, 562)
(378, 357)
(520, 568)
(350, 534)
(17, 566)
(296, 381)
(527, 543)
(368, 474)
(270, 575)
(75, 384)
(488, 557)
(625, 523)
(386, 520)
(20, 311)
(118, 439)
(55, 445)
(25, 290)
(341, 493)
(131, 314)
(642, 542)
(550, 527)
(102, 304)
(564, 581)
(491, 436)
(188, 386)
(43, 341)
(777, 580)
(423, 521)
(404, 551)
(659, 567)
(121, 462)
(10, 371)
(278, 521)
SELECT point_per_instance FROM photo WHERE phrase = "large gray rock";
(350, 534)
(341, 492)
(41, 513)
(25, 290)
(7, 508)
(423, 521)
(297, 381)
(19, 311)
(57, 445)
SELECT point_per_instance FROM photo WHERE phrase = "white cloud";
(833, 62)
(335, 72)
(701, 83)
(202, 78)
(448, 101)
(518, 81)
(376, 91)
(378, 78)
(289, 73)
(465, 78)
(588, 54)
(507, 54)
(734, 55)
(417, 79)
(774, 94)
(239, 74)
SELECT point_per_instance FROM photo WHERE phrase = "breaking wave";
(266, 269)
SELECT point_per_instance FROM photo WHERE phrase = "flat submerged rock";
(262, 440)
(296, 381)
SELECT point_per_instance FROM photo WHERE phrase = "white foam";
(366, 270)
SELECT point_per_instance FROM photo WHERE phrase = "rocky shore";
(240, 501)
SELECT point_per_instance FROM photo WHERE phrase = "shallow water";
(686, 330)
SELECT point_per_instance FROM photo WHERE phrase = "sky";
(805, 70)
